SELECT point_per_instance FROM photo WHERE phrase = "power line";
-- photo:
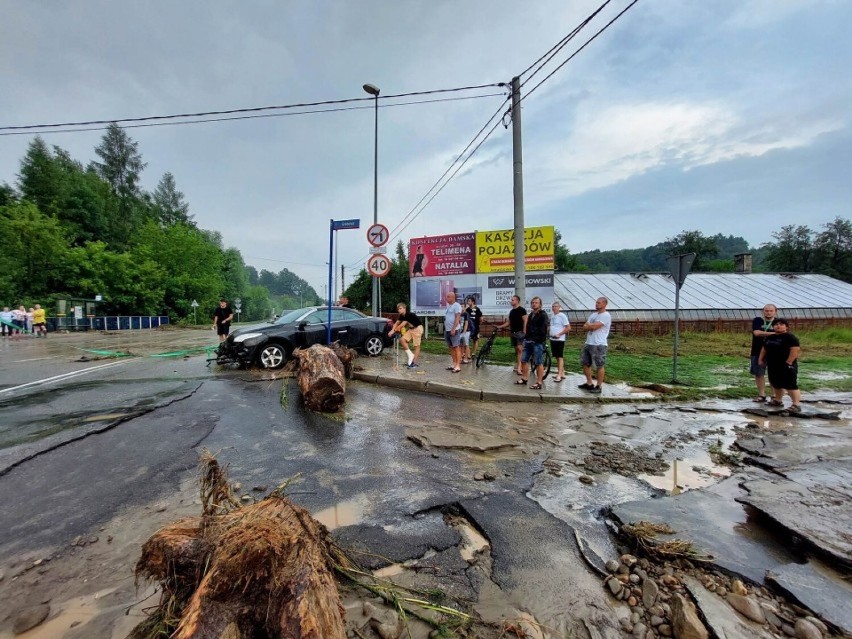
(555, 49)
(248, 110)
(252, 117)
(541, 62)
(584, 45)
(413, 213)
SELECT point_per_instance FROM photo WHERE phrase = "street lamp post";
(374, 91)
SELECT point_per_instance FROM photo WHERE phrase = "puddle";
(105, 417)
(682, 475)
(346, 513)
(72, 613)
(827, 376)
(473, 542)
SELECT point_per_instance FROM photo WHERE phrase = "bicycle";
(484, 354)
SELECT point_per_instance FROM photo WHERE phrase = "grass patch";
(709, 364)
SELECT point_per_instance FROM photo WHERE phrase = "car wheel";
(272, 356)
(374, 345)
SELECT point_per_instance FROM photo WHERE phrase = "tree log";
(321, 378)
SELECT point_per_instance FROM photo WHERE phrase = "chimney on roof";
(742, 263)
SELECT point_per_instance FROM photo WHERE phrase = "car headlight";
(239, 339)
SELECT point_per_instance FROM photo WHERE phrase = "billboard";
(495, 250)
(493, 292)
(442, 255)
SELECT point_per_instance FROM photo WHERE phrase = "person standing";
(474, 318)
(6, 326)
(19, 319)
(594, 350)
(517, 324)
(452, 331)
(780, 355)
(410, 329)
(761, 328)
(534, 339)
(559, 329)
(222, 317)
(39, 321)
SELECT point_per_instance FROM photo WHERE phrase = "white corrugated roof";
(710, 291)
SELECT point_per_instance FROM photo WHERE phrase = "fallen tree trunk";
(321, 378)
(242, 572)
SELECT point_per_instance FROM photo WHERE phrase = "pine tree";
(169, 204)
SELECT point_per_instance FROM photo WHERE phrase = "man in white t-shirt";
(594, 350)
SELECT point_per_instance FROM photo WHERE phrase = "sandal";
(520, 382)
(774, 402)
(795, 408)
(456, 370)
(535, 387)
(760, 399)
(558, 379)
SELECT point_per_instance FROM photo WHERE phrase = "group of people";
(20, 321)
(775, 350)
(529, 333)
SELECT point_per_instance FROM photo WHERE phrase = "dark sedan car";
(270, 345)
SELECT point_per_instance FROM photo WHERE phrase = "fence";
(107, 323)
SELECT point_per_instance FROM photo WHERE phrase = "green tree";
(564, 262)
(692, 242)
(33, 252)
(833, 249)
(121, 166)
(169, 204)
(129, 285)
(792, 251)
(8, 195)
(38, 180)
(192, 266)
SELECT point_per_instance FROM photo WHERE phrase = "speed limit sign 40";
(378, 265)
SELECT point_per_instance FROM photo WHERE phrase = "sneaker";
(585, 386)
(595, 389)
(411, 365)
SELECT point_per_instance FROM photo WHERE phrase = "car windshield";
(292, 316)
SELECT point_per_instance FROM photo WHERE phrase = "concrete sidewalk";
(489, 383)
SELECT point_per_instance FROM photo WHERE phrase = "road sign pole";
(330, 275)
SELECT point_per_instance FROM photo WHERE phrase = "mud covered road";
(491, 502)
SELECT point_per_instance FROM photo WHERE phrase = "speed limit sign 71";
(378, 265)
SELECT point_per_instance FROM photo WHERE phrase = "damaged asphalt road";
(401, 478)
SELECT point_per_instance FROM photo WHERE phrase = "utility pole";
(518, 190)
(342, 279)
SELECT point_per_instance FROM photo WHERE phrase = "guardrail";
(107, 323)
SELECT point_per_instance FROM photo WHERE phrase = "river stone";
(818, 588)
(685, 620)
(738, 588)
(720, 619)
(614, 586)
(650, 590)
(639, 630)
(656, 620)
(747, 607)
(665, 630)
(819, 624)
(806, 630)
(29, 618)
(612, 565)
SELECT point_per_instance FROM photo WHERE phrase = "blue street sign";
(337, 225)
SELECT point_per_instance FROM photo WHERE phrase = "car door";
(345, 327)
(314, 331)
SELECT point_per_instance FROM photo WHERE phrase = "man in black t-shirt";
(517, 324)
(410, 329)
(222, 317)
(537, 329)
(780, 355)
(761, 327)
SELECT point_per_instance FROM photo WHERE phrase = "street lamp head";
(372, 89)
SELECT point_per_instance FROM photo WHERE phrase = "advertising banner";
(493, 293)
(495, 250)
(442, 255)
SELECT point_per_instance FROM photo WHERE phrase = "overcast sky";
(730, 116)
